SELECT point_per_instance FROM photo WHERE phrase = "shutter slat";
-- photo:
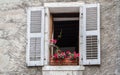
(91, 18)
(36, 21)
(35, 36)
(91, 45)
(35, 45)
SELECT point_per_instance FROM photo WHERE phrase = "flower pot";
(55, 62)
(68, 61)
(65, 61)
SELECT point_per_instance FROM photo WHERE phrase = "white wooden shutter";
(91, 22)
(35, 36)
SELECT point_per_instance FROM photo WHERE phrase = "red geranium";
(68, 52)
(54, 41)
(55, 56)
(74, 56)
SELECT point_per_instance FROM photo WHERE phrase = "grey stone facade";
(118, 30)
(13, 27)
(109, 42)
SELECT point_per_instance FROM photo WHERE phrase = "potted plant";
(63, 57)
(71, 58)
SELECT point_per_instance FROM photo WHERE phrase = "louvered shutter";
(35, 36)
(91, 19)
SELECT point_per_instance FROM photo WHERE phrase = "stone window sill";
(64, 68)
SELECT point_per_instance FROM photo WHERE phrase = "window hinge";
(45, 14)
(81, 58)
(44, 58)
(81, 13)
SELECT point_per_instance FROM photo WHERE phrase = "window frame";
(47, 28)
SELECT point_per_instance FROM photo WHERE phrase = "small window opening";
(65, 29)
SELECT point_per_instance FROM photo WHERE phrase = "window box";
(65, 61)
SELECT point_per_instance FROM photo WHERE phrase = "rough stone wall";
(13, 37)
(118, 31)
(13, 26)
(109, 41)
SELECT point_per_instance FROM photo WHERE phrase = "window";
(46, 23)
(65, 27)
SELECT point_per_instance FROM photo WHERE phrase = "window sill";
(64, 68)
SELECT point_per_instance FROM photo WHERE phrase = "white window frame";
(47, 17)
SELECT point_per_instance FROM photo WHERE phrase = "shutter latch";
(81, 13)
(45, 14)
(44, 58)
(81, 58)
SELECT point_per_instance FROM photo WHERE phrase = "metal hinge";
(81, 13)
(45, 14)
(81, 58)
(44, 58)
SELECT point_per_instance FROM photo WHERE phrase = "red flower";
(63, 54)
(74, 52)
(58, 51)
(55, 56)
(76, 55)
(68, 52)
(54, 41)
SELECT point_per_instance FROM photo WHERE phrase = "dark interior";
(70, 31)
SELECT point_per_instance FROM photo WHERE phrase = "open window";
(77, 26)
(64, 28)
(68, 25)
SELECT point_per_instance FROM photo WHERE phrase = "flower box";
(65, 61)
(60, 57)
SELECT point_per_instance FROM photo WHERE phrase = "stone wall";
(109, 41)
(13, 37)
(118, 30)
